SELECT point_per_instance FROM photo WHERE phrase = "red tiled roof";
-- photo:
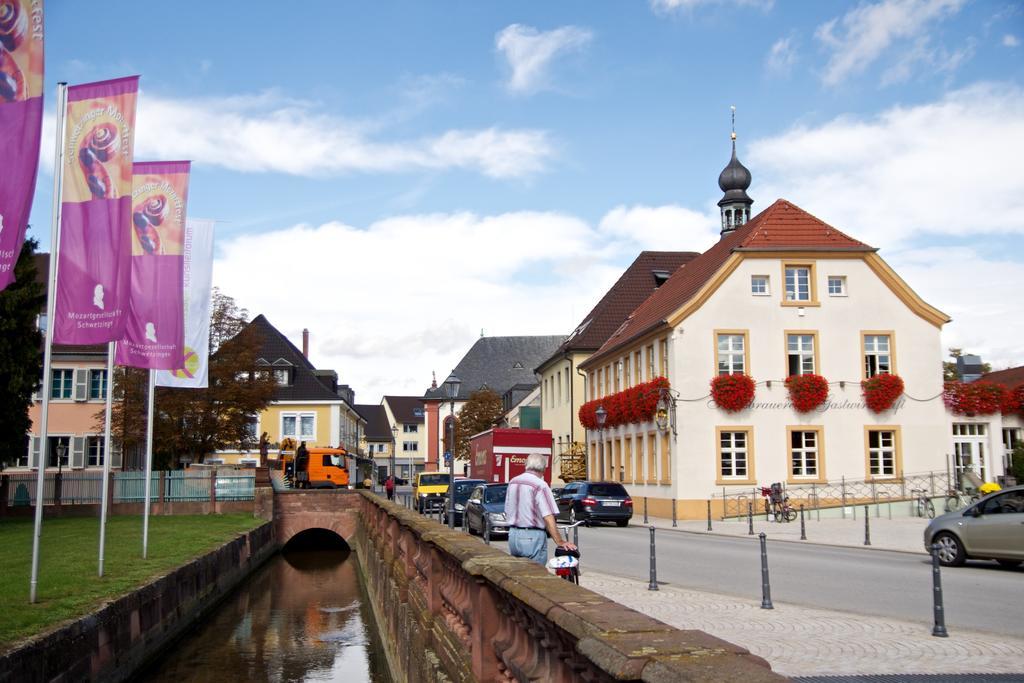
(1010, 377)
(782, 225)
(634, 285)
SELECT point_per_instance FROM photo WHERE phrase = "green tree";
(197, 422)
(949, 367)
(21, 355)
(1017, 462)
(481, 412)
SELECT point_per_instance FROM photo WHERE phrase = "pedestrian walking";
(389, 487)
(530, 513)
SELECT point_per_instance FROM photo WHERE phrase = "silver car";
(991, 529)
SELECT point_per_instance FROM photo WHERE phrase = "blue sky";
(397, 176)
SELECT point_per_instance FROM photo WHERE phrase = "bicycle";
(923, 504)
(566, 563)
(958, 500)
(777, 504)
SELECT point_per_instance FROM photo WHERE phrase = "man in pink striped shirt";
(530, 512)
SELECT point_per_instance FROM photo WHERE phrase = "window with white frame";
(759, 285)
(800, 352)
(837, 285)
(94, 451)
(663, 357)
(62, 382)
(882, 453)
(1011, 439)
(410, 446)
(410, 428)
(731, 354)
(58, 445)
(798, 283)
(98, 385)
(282, 376)
(298, 426)
(877, 357)
(733, 447)
(803, 453)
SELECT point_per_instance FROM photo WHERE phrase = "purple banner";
(21, 117)
(94, 265)
(154, 334)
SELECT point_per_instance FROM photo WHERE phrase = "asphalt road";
(980, 596)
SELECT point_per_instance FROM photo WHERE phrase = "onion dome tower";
(734, 181)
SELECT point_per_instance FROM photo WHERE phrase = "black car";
(463, 488)
(595, 501)
(489, 500)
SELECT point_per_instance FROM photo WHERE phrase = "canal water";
(302, 617)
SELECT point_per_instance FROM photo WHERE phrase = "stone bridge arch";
(334, 510)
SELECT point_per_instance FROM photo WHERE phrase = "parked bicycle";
(923, 506)
(566, 563)
(958, 500)
(777, 503)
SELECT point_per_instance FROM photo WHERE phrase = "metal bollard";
(766, 588)
(576, 537)
(653, 585)
(766, 509)
(803, 529)
(939, 630)
(487, 529)
(750, 518)
(674, 513)
(867, 526)
(645, 509)
(709, 515)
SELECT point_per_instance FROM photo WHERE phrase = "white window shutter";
(115, 454)
(33, 460)
(81, 384)
(78, 452)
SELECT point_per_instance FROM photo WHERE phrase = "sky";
(402, 177)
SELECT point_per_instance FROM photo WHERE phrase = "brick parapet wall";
(451, 608)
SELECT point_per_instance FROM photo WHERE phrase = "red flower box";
(807, 392)
(976, 398)
(881, 391)
(632, 406)
(732, 393)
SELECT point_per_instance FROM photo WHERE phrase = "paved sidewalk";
(900, 533)
(801, 641)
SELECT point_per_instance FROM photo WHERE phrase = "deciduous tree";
(480, 413)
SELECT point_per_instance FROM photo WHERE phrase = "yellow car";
(429, 490)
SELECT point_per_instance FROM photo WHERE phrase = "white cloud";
(666, 228)
(530, 52)
(864, 33)
(923, 53)
(781, 57)
(267, 133)
(667, 6)
(947, 167)
(1010, 40)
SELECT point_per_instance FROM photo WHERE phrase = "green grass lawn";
(68, 582)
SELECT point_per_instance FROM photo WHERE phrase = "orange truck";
(322, 468)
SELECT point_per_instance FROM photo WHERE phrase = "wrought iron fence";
(842, 492)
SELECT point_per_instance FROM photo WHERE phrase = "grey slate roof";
(407, 409)
(499, 363)
(377, 427)
(277, 351)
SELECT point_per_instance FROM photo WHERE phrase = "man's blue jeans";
(529, 543)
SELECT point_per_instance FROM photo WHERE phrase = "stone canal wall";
(451, 608)
(113, 642)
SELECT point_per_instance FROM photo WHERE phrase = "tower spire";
(734, 181)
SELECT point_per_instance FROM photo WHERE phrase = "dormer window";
(517, 366)
(282, 376)
(660, 277)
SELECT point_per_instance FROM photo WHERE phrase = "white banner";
(198, 283)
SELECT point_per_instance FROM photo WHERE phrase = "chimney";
(305, 343)
(969, 367)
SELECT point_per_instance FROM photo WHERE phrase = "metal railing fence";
(86, 487)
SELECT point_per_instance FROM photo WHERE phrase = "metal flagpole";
(149, 465)
(111, 349)
(51, 297)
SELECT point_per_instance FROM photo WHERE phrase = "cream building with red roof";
(780, 293)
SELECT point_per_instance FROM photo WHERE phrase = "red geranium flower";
(881, 391)
(807, 392)
(732, 392)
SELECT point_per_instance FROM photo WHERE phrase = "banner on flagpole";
(21, 117)
(96, 211)
(198, 281)
(154, 332)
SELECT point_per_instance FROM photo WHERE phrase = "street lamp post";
(601, 415)
(59, 483)
(451, 386)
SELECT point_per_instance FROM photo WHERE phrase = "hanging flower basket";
(881, 391)
(976, 398)
(807, 392)
(732, 393)
(632, 406)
